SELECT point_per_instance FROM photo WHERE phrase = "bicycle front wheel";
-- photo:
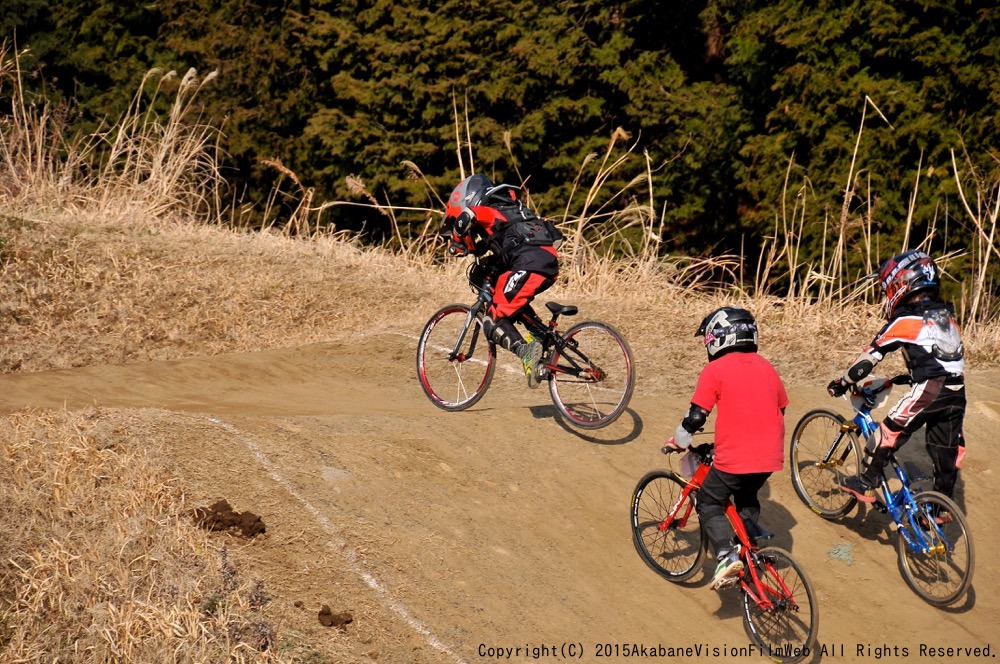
(822, 454)
(942, 573)
(591, 375)
(783, 621)
(675, 551)
(455, 375)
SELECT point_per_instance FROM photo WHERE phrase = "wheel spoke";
(822, 455)
(786, 625)
(942, 573)
(454, 384)
(675, 552)
(593, 377)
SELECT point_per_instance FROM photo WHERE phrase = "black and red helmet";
(469, 193)
(905, 275)
(728, 329)
(474, 191)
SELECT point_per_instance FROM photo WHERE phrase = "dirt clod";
(328, 618)
(220, 516)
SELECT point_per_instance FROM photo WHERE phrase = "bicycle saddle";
(561, 309)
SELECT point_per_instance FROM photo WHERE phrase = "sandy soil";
(498, 534)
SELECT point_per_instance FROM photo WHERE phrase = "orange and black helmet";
(906, 274)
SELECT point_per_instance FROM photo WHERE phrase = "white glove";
(682, 438)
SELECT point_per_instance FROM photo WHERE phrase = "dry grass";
(101, 561)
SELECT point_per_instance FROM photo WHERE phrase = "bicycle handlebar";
(703, 451)
(901, 379)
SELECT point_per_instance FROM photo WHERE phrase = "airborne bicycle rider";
(523, 262)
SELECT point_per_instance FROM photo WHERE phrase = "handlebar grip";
(670, 447)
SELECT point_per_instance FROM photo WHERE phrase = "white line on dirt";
(349, 554)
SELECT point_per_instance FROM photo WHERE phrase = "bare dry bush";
(101, 561)
(141, 166)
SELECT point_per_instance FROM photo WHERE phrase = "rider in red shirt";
(749, 430)
(523, 261)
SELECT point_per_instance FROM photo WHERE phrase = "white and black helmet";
(727, 329)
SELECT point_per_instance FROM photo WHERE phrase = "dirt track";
(499, 528)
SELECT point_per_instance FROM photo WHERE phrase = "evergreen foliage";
(727, 97)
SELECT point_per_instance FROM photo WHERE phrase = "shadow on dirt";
(624, 430)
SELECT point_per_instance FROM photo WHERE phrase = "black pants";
(939, 405)
(718, 486)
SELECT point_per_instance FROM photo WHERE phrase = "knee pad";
(888, 436)
(708, 511)
(488, 328)
(502, 333)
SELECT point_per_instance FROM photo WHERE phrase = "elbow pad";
(861, 367)
(695, 419)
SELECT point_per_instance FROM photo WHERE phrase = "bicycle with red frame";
(780, 614)
(589, 367)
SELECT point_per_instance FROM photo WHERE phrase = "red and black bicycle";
(589, 368)
(780, 614)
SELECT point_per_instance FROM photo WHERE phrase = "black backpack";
(535, 231)
(524, 226)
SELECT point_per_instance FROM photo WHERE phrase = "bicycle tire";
(454, 384)
(817, 483)
(598, 400)
(944, 575)
(786, 633)
(677, 553)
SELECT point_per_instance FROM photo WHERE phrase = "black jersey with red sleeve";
(518, 238)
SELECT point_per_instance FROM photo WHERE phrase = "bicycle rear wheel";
(943, 574)
(591, 377)
(454, 381)
(823, 454)
(785, 632)
(675, 552)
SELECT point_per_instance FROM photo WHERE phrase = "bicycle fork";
(828, 460)
(754, 561)
(456, 353)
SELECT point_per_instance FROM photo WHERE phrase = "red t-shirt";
(749, 427)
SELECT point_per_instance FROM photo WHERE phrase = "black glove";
(837, 387)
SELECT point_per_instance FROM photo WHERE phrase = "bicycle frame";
(754, 586)
(545, 332)
(551, 339)
(899, 505)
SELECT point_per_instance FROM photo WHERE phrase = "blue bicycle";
(936, 555)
